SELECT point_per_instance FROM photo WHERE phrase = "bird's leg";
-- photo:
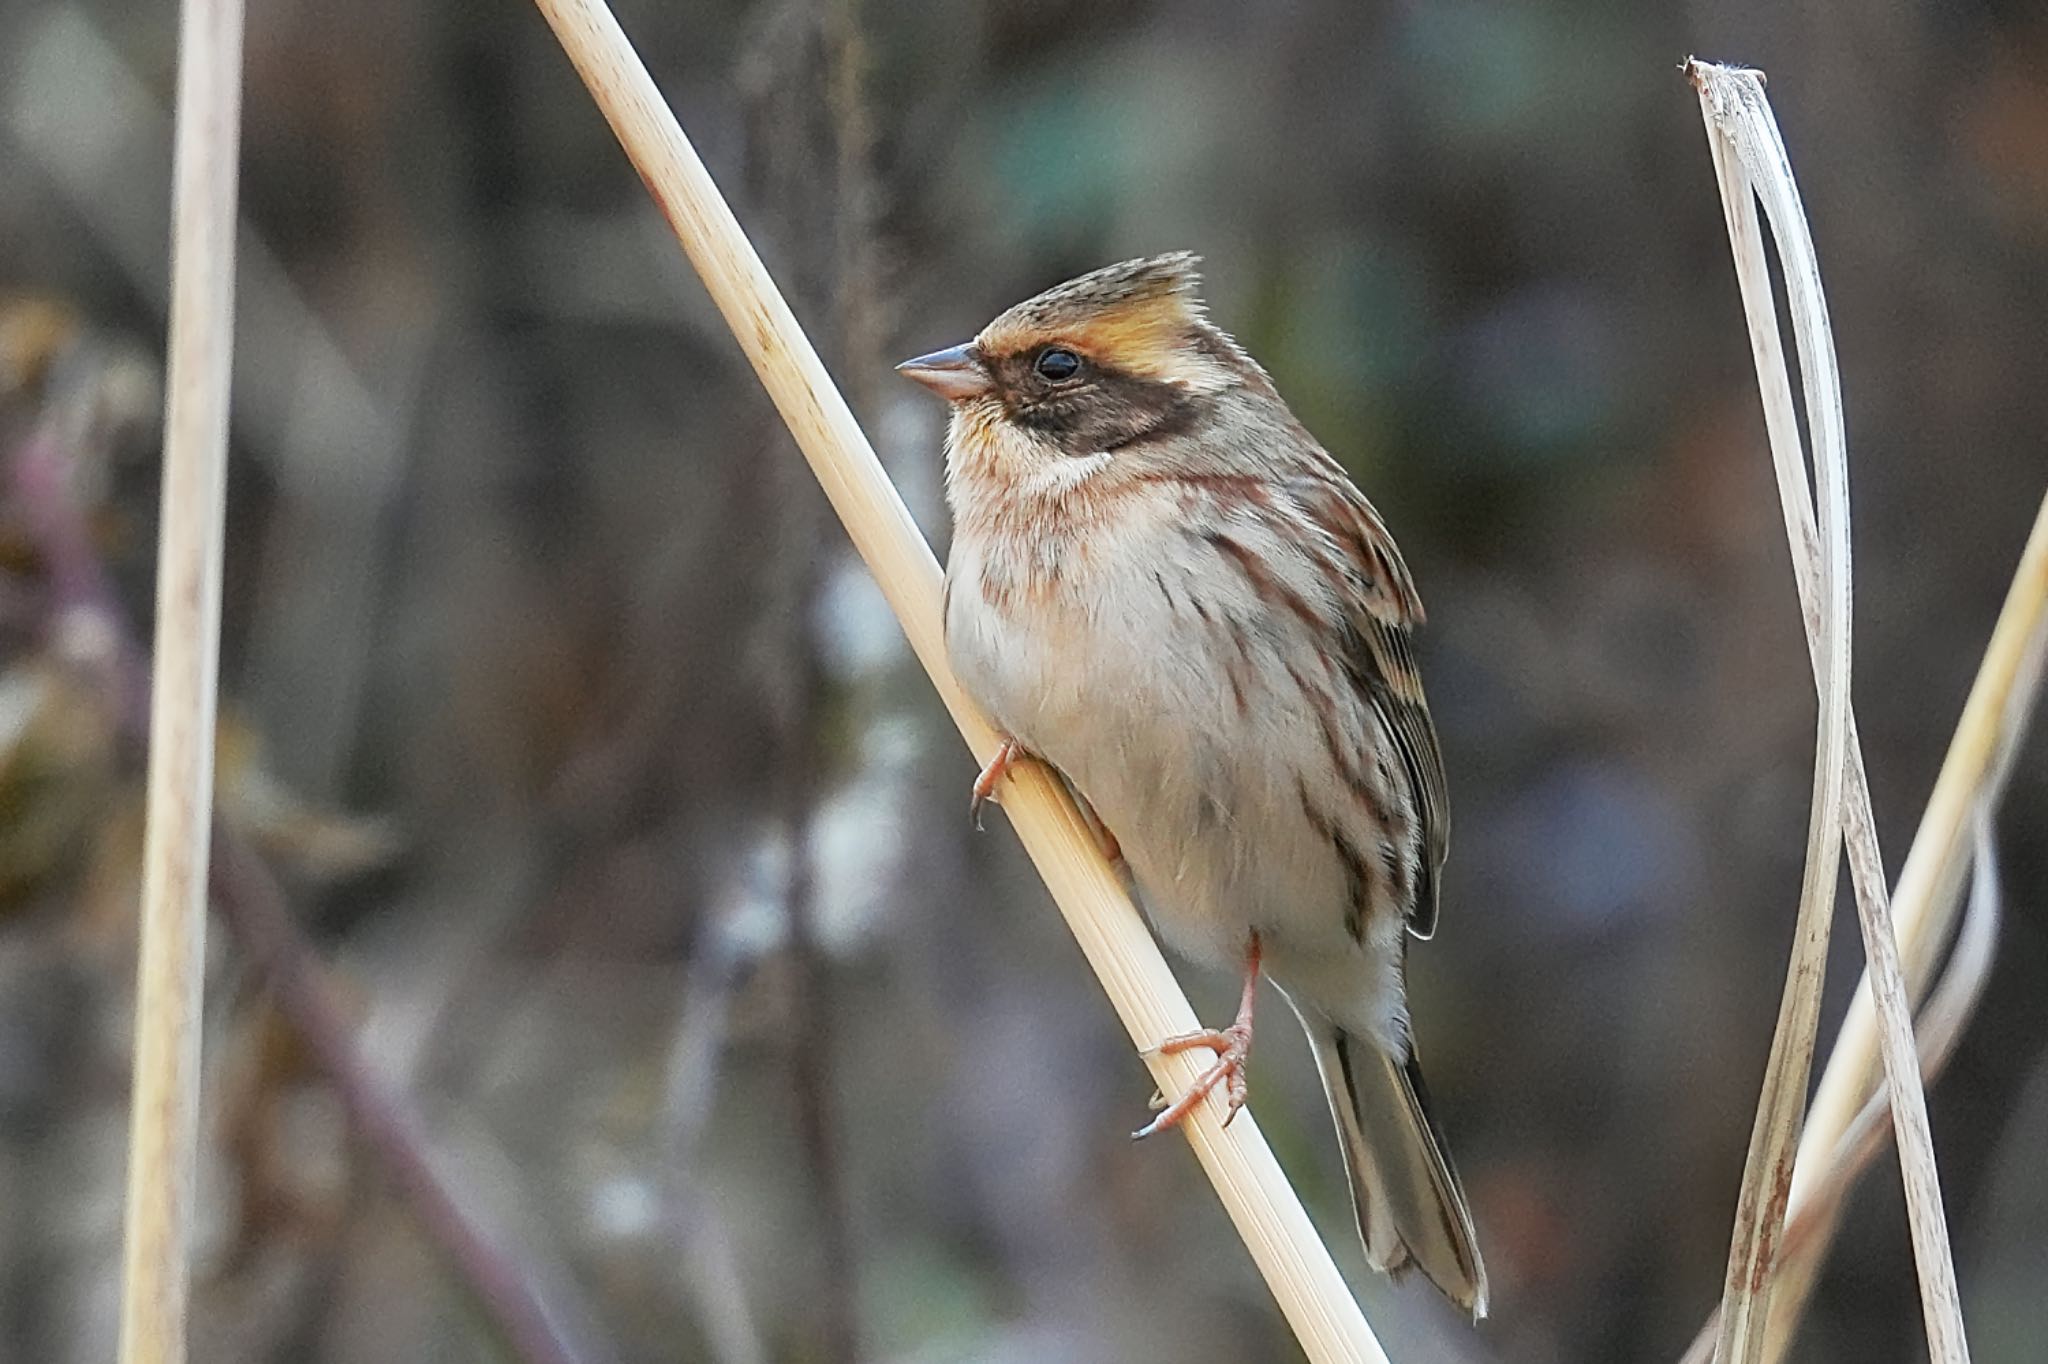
(1233, 1047)
(1009, 755)
(991, 776)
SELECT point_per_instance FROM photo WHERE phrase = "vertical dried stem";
(164, 1121)
(1261, 1204)
(1750, 162)
(1979, 761)
(1814, 1215)
(1767, 1175)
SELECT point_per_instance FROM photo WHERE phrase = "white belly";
(1187, 733)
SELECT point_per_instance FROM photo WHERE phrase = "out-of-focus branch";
(163, 1123)
(254, 912)
(1262, 1205)
(706, 1259)
(253, 909)
(803, 170)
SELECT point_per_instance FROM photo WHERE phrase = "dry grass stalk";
(163, 1131)
(1312, 1295)
(1810, 1222)
(1750, 163)
(1725, 96)
(1836, 1145)
(2010, 679)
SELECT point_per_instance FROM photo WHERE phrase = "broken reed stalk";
(2009, 679)
(1811, 1220)
(164, 1111)
(1767, 1173)
(1262, 1205)
(1928, 900)
(1750, 163)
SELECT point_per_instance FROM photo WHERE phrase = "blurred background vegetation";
(636, 846)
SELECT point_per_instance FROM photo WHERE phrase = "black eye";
(1056, 365)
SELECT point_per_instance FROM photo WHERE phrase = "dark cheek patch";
(1109, 410)
(1182, 418)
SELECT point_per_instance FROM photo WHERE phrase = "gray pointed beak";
(953, 374)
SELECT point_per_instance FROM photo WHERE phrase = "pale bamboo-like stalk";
(164, 1112)
(1750, 162)
(1262, 1205)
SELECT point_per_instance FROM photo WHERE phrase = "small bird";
(1164, 588)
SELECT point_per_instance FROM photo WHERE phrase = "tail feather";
(1411, 1207)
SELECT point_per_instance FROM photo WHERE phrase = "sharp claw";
(992, 775)
(1232, 1047)
(1239, 1093)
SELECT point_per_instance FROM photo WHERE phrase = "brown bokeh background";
(635, 843)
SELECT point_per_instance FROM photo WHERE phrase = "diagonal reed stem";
(164, 1112)
(1979, 760)
(1263, 1207)
(1927, 898)
(253, 909)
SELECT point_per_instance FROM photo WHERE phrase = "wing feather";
(1379, 653)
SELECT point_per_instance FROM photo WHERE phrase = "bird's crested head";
(1120, 355)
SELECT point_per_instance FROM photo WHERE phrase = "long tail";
(1411, 1207)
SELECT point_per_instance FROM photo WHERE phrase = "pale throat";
(1028, 510)
(1001, 478)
